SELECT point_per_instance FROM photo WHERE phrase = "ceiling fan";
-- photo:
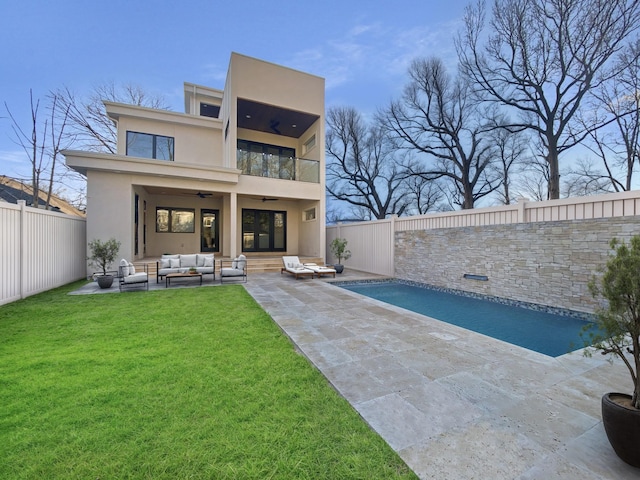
(266, 199)
(273, 125)
(203, 195)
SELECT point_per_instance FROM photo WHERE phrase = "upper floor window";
(208, 110)
(147, 145)
(309, 144)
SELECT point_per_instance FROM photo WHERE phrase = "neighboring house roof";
(12, 190)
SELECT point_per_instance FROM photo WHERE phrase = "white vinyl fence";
(39, 250)
(372, 243)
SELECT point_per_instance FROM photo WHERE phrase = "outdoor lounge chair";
(320, 270)
(237, 269)
(128, 277)
(293, 266)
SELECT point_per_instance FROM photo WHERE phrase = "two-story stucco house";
(241, 171)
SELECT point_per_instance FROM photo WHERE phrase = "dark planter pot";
(622, 425)
(105, 281)
(339, 268)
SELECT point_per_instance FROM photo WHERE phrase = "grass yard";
(176, 384)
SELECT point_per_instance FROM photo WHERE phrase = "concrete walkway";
(452, 403)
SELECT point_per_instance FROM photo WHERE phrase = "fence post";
(393, 244)
(21, 254)
(522, 201)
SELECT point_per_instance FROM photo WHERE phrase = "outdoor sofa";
(203, 263)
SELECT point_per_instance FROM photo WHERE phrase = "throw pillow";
(132, 269)
(208, 261)
(188, 261)
(175, 262)
(165, 263)
(124, 268)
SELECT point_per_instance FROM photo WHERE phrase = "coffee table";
(169, 276)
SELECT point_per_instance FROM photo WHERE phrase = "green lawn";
(177, 384)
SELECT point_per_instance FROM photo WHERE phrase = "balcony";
(278, 166)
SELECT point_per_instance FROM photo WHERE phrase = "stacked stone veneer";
(547, 263)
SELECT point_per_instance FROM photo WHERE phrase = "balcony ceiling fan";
(273, 125)
(204, 195)
(267, 199)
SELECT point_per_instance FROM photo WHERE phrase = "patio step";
(254, 264)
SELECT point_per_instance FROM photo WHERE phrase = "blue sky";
(362, 49)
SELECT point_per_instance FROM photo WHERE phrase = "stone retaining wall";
(547, 263)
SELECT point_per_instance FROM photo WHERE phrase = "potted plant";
(102, 256)
(338, 249)
(617, 332)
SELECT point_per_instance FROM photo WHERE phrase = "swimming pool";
(547, 333)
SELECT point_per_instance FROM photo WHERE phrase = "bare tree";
(512, 155)
(585, 179)
(617, 104)
(88, 119)
(440, 118)
(541, 57)
(363, 169)
(426, 194)
(42, 144)
(533, 180)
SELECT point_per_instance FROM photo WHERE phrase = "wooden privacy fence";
(372, 243)
(39, 250)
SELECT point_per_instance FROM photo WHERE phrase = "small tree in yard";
(618, 324)
(338, 248)
(103, 254)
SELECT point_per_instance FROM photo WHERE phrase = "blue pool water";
(547, 333)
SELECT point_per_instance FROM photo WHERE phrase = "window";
(175, 220)
(264, 231)
(146, 145)
(309, 214)
(207, 110)
(309, 144)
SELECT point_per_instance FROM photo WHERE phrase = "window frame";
(191, 227)
(154, 145)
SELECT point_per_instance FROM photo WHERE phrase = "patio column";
(233, 224)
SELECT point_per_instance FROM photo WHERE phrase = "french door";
(264, 230)
(209, 231)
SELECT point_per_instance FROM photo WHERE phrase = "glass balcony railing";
(278, 166)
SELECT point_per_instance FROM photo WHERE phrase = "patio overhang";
(82, 162)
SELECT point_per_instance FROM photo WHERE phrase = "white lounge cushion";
(231, 272)
(136, 278)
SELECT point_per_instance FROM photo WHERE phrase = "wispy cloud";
(376, 50)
